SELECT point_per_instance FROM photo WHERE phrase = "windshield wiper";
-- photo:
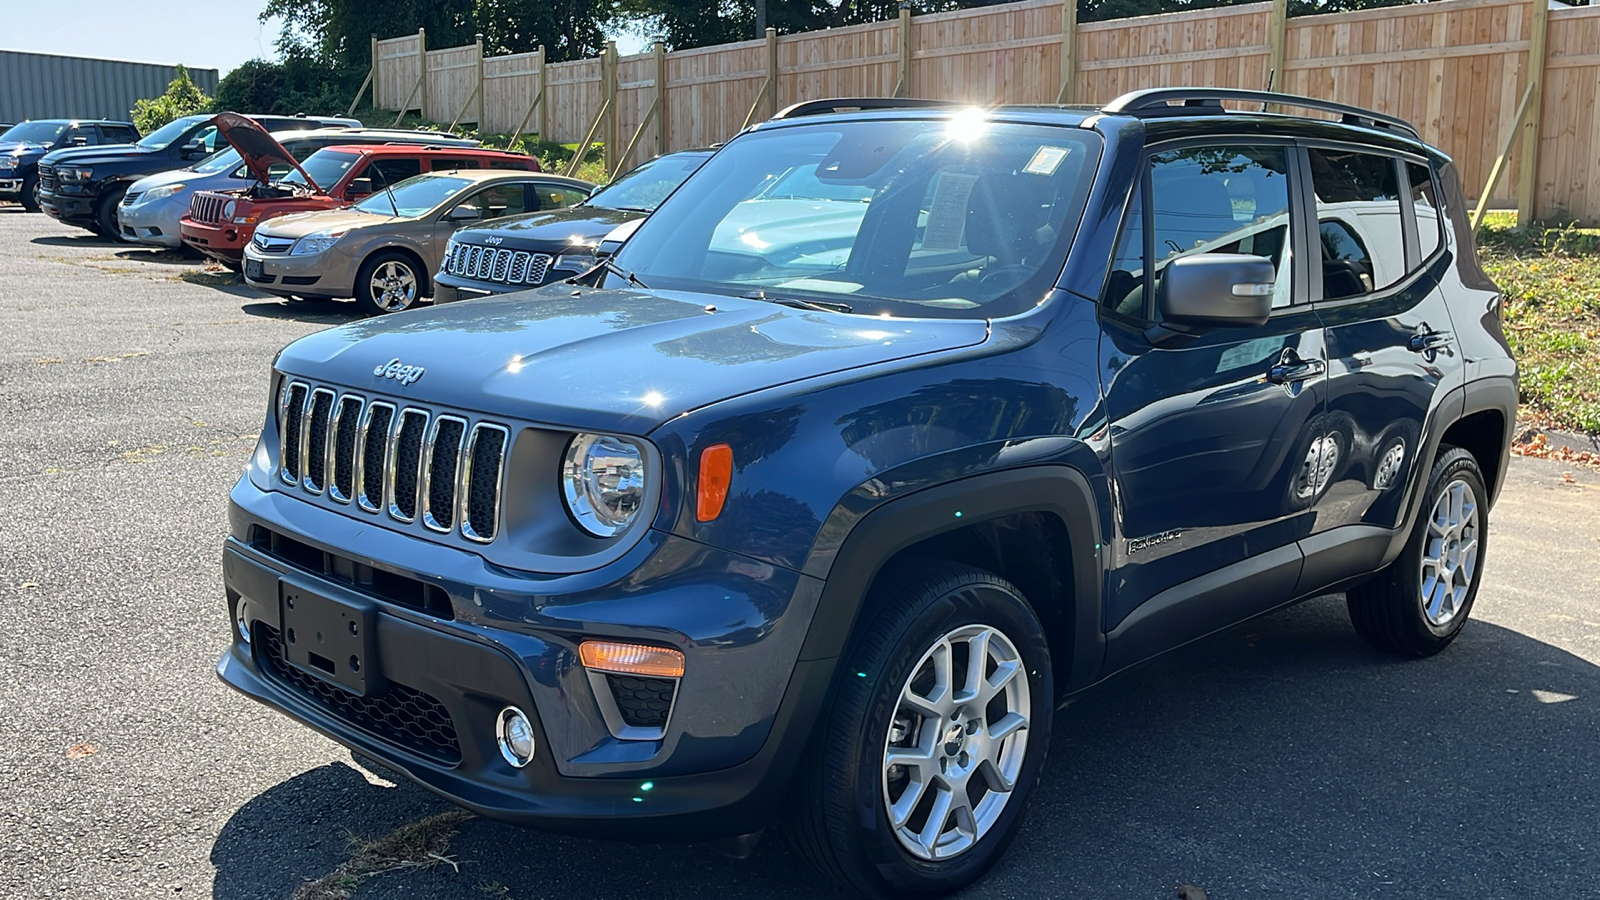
(612, 267)
(800, 302)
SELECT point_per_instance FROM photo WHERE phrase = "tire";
(403, 291)
(843, 824)
(1403, 610)
(105, 214)
(29, 198)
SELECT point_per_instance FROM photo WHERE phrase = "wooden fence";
(1459, 69)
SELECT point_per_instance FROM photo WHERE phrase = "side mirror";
(192, 150)
(360, 187)
(1217, 289)
(464, 213)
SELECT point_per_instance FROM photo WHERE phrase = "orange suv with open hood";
(220, 223)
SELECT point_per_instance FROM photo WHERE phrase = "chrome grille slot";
(291, 430)
(346, 429)
(519, 267)
(315, 447)
(502, 261)
(405, 464)
(539, 267)
(480, 500)
(427, 469)
(443, 465)
(374, 454)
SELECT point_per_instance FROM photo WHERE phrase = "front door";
(1209, 432)
(1391, 352)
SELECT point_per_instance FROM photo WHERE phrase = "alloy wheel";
(393, 286)
(1449, 553)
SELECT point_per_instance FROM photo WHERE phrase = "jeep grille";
(502, 266)
(390, 459)
(206, 207)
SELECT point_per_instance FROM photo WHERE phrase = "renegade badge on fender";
(894, 425)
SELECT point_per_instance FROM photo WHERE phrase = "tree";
(183, 98)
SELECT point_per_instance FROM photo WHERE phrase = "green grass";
(552, 156)
(1551, 278)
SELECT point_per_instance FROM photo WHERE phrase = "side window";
(1222, 200)
(499, 163)
(1430, 216)
(1124, 292)
(553, 197)
(210, 139)
(500, 200)
(81, 136)
(444, 165)
(117, 134)
(1358, 221)
(387, 171)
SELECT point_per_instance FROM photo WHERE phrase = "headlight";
(577, 258)
(228, 208)
(604, 481)
(76, 174)
(316, 242)
(161, 193)
(8, 162)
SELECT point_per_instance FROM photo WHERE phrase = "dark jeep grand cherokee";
(828, 496)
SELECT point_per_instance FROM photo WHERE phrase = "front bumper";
(326, 274)
(157, 223)
(742, 715)
(68, 208)
(12, 186)
(221, 241)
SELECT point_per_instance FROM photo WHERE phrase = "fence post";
(544, 94)
(1069, 52)
(482, 86)
(1278, 36)
(903, 89)
(372, 75)
(422, 70)
(608, 97)
(660, 52)
(772, 72)
(1528, 176)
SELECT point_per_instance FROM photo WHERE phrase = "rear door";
(1392, 354)
(1209, 431)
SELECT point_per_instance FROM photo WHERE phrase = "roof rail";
(852, 104)
(1203, 101)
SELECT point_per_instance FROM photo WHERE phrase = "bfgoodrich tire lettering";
(1420, 602)
(882, 728)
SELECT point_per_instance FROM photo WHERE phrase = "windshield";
(644, 188)
(325, 167)
(955, 218)
(414, 196)
(220, 161)
(34, 132)
(166, 134)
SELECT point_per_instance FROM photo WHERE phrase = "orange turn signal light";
(716, 473)
(631, 659)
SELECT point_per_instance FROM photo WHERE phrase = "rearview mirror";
(464, 213)
(1217, 289)
(360, 187)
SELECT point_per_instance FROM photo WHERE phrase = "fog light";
(244, 626)
(514, 733)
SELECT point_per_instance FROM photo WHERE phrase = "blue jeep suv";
(895, 425)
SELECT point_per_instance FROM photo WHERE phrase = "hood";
(88, 156)
(554, 229)
(258, 148)
(22, 148)
(298, 225)
(608, 360)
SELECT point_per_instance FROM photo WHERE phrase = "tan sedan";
(382, 250)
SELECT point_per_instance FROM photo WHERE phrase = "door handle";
(1426, 339)
(1292, 368)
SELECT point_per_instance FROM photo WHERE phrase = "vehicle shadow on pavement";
(325, 312)
(1283, 756)
(86, 239)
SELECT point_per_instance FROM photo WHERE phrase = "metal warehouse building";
(45, 86)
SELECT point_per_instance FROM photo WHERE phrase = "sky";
(203, 34)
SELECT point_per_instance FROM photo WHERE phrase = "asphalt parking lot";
(1282, 759)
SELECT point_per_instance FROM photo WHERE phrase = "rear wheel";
(934, 741)
(388, 282)
(105, 214)
(1420, 602)
(29, 198)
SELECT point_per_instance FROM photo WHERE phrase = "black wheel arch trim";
(1059, 490)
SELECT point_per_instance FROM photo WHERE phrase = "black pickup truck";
(83, 185)
(22, 146)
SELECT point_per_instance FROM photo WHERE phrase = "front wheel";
(935, 739)
(29, 198)
(105, 215)
(1419, 604)
(388, 282)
